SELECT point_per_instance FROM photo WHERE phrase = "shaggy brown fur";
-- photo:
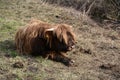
(45, 39)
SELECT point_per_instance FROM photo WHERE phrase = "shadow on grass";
(7, 48)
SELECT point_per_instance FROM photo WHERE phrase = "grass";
(8, 29)
(104, 44)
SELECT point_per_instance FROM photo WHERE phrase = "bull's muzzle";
(71, 47)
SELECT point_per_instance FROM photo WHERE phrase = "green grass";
(8, 28)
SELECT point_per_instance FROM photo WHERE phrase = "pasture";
(96, 55)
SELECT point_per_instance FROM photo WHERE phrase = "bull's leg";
(63, 58)
(60, 57)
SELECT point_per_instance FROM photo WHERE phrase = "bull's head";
(60, 38)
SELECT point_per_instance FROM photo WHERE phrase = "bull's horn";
(51, 29)
(70, 26)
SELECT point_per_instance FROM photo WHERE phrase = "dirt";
(18, 65)
(112, 70)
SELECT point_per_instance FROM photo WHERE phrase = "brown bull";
(50, 41)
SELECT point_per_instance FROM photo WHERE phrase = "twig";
(90, 7)
(115, 4)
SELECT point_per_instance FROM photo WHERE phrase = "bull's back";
(27, 38)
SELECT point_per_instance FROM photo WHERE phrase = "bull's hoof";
(69, 62)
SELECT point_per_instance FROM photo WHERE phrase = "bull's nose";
(71, 47)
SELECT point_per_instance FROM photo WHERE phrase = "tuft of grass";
(13, 53)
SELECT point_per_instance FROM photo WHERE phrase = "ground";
(96, 55)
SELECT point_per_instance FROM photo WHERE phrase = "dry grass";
(96, 46)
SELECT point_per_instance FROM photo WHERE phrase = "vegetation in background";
(101, 9)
